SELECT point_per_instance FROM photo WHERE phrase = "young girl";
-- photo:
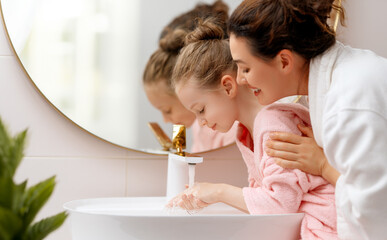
(158, 71)
(289, 44)
(205, 82)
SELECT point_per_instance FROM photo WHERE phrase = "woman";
(285, 48)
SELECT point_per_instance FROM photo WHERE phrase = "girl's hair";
(161, 63)
(272, 25)
(206, 56)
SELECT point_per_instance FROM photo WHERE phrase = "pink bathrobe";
(275, 190)
(204, 138)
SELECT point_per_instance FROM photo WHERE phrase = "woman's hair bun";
(173, 40)
(207, 29)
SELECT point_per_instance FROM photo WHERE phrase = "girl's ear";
(229, 85)
(285, 60)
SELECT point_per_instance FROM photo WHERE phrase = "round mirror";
(87, 58)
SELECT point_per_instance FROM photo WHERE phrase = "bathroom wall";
(87, 166)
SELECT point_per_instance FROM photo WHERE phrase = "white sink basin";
(144, 218)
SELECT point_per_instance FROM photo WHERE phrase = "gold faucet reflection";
(179, 139)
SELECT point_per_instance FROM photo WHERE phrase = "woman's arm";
(301, 152)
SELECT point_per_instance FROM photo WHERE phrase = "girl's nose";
(167, 119)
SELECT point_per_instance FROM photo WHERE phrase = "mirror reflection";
(88, 56)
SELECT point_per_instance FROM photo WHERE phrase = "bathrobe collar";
(320, 75)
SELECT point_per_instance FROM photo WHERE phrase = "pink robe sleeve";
(281, 190)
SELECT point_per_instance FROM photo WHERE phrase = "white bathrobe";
(348, 108)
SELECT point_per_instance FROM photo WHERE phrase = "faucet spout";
(179, 163)
(178, 172)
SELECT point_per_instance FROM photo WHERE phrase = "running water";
(174, 209)
(191, 174)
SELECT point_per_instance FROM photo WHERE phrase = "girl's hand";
(199, 196)
(294, 151)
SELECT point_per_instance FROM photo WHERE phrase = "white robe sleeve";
(356, 143)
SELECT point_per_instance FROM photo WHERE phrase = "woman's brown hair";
(272, 25)
(206, 56)
(161, 63)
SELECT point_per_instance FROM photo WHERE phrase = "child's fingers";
(201, 204)
(186, 203)
(173, 202)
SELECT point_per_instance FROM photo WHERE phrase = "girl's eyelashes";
(168, 111)
(201, 111)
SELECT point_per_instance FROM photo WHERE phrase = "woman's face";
(212, 108)
(168, 104)
(264, 77)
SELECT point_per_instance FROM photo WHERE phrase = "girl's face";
(265, 78)
(213, 108)
(169, 105)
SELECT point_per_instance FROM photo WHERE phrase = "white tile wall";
(146, 177)
(365, 25)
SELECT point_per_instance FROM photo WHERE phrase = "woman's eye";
(168, 111)
(201, 111)
(246, 70)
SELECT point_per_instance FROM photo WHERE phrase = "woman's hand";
(301, 152)
(294, 151)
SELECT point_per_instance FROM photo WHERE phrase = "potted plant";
(19, 204)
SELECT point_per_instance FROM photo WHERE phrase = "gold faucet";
(163, 139)
(178, 139)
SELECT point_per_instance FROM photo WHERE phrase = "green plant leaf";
(11, 194)
(16, 153)
(18, 205)
(45, 226)
(11, 151)
(10, 224)
(6, 192)
(18, 197)
(35, 197)
(5, 143)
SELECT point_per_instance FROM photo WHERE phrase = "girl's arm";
(204, 194)
(301, 152)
